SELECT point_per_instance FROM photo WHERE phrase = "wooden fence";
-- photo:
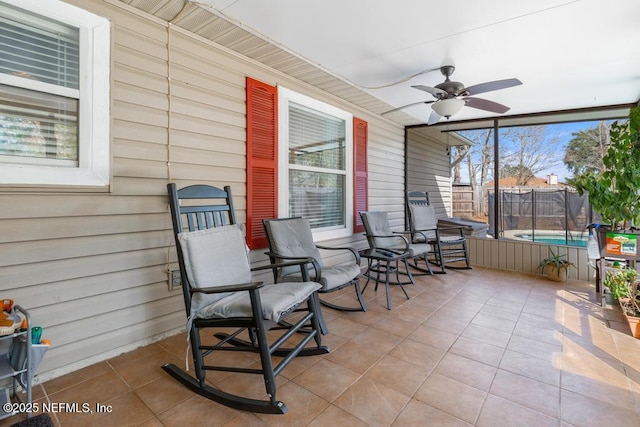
(468, 203)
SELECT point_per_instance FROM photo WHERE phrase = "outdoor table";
(382, 261)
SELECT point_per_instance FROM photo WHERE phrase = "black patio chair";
(292, 239)
(449, 242)
(220, 295)
(380, 236)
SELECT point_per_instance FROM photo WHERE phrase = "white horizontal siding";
(92, 267)
(428, 167)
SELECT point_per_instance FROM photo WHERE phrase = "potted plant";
(630, 304)
(555, 267)
(613, 193)
(617, 281)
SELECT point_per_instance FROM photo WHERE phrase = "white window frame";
(285, 96)
(94, 108)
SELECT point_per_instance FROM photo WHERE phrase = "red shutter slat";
(360, 172)
(262, 159)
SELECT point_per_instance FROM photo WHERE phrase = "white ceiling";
(568, 54)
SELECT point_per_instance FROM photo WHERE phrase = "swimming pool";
(554, 238)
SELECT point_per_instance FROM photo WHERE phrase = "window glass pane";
(315, 139)
(319, 197)
(38, 125)
(38, 48)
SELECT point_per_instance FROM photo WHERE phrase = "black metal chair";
(449, 242)
(380, 236)
(292, 239)
(220, 295)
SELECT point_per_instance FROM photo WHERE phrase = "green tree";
(614, 192)
(586, 149)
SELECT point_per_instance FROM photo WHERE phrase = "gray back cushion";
(423, 217)
(377, 224)
(293, 237)
(214, 257)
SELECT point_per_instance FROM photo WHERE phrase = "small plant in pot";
(618, 282)
(630, 304)
(555, 267)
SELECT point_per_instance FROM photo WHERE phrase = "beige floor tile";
(433, 337)
(379, 340)
(539, 332)
(494, 322)
(197, 411)
(418, 354)
(419, 414)
(452, 397)
(499, 412)
(303, 406)
(395, 326)
(584, 411)
(163, 393)
(471, 347)
(527, 392)
(344, 327)
(478, 351)
(327, 379)
(467, 371)
(356, 357)
(615, 392)
(334, 416)
(547, 371)
(372, 402)
(531, 347)
(145, 370)
(487, 335)
(398, 374)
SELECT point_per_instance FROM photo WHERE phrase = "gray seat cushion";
(293, 238)
(218, 257)
(419, 249)
(377, 224)
(277, 299)
(332, 277)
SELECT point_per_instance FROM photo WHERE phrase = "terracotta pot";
(634, 325)
(633, 321)
(555, 274)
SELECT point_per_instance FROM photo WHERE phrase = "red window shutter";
(262, 159)
(360, 172)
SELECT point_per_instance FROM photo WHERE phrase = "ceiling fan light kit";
(450, 96)
(448, 107)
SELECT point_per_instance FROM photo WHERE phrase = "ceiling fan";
(451, 96)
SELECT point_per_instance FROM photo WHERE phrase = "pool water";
(554, 239)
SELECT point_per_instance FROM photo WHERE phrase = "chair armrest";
(355, 253)
(227, 288)
(394, 236)
(301, 261)
(428, 239)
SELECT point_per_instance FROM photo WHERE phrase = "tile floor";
(472, 347)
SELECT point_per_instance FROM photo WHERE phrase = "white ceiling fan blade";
(438, 93)
(406, 106)
(434, 118)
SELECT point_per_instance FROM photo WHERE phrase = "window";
(318, 169)
(54, 94)
(315, 164)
